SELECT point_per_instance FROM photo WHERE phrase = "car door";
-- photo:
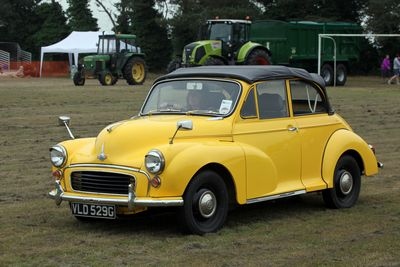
(310, 110)
(270, 142)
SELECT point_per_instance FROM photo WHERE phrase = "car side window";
(272, 100)
(249, 107)
(306, 98)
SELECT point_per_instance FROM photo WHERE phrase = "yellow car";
(209, 138)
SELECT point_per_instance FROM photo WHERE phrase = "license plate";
(93, 210)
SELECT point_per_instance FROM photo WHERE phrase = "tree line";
(163, 27)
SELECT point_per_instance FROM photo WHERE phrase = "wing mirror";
(65, 120)
(182, 125)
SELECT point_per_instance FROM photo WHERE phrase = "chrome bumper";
(131, 200)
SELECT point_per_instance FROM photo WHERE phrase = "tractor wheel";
(341, 74)
(78, 79)
(211, 61)
(106, 78)
(135, 71)
(174, 64)
(327, 74)
(258, 57)
(114, 80)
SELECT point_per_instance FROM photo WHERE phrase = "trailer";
(296, 44)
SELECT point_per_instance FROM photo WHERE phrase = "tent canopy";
(74, 44)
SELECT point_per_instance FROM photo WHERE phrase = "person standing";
(385, 68)
(396, 69)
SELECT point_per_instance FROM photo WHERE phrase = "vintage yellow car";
(209, 138)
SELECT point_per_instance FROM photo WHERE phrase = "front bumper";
(130, 201)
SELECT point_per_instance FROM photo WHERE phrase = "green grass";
(297, 231)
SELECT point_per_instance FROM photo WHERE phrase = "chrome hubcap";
(346, 182)
(207, 204)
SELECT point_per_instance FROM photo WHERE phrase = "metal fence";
(4, 60)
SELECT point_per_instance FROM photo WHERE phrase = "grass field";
(291, 232)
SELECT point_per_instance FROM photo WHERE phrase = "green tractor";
(223, 42)
(117, 57)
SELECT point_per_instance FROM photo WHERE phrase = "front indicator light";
(57, 175)
(155, 182)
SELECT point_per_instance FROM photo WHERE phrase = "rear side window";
(307, 99)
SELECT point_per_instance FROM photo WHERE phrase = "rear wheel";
(106, 78)
(258, 57)
(346, 184)
(78, 79)
(206, 204)
(327, 74)
(341, 74)
(135, 71)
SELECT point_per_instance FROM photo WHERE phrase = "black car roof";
(249, 74)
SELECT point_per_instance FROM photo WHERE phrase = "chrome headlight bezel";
(58, 156)
(154, 161)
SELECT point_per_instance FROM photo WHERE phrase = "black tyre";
(114, 80)
(135, 71)
(174, 64)
(106, 78)
(78, 79)
(211, 61)
(341, 75)
(346, 184)
(327, 74)
(206, 203)
(258, 57)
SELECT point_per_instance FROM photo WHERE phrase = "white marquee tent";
(74, 44)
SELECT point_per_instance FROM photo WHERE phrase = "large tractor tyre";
(135, 71)
(258, 57)
(211, 61)
(78, 79)
(327, 74)
(106, 78)
(346, 184)
(341, 74)
(174, 64)
(206, 204)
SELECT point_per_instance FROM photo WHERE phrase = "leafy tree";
(18, 22)
(150, 29)
(53, 24)
(384, 17)
(80, 16)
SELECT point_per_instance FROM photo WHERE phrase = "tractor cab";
(232, 33)
(116, 43)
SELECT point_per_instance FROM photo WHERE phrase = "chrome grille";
(101, 182)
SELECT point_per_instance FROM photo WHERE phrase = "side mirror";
(65, 120)
(182, 125)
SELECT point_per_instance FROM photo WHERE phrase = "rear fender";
(246, 49)
(347, 142)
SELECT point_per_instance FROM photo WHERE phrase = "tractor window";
(220, 31)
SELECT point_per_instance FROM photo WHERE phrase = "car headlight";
(154, 161)
(58, 155)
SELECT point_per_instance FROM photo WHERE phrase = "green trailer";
(296, 44)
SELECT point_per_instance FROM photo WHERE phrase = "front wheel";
(106, 78)
(346, 184)
(213, 61)
(205, 204)
(135, 71)
(78, 79)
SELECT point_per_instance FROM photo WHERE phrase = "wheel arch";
(345, 142)
(249, 47)
(226, 176)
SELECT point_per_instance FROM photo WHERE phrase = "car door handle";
(292, 129)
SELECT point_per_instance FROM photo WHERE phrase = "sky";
(103, 20)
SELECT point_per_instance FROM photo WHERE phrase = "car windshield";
(192, 97)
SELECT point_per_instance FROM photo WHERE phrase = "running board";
(283, 195)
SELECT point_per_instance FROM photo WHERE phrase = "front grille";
(101, 182)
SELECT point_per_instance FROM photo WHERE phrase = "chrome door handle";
(292, 129)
